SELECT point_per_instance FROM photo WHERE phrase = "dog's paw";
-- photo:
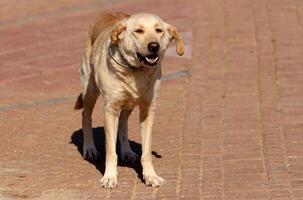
(90, 153)
(154, 180)
(128, 156)
(109, 182)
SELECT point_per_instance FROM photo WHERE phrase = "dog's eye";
(158, 30)
(139, 31)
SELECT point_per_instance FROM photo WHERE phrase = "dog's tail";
(79, 102)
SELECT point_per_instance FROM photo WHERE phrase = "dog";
(122, 62)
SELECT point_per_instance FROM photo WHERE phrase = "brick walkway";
(229, 122)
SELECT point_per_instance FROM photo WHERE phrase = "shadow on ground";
(99, 138)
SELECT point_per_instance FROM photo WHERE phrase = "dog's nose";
(153, 47)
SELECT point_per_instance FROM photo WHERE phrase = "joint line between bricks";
(259, 107)
(278, 96)
(223, 104)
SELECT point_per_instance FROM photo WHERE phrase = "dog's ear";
(174, 35)
(117, 33)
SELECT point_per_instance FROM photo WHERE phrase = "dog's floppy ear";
(174, 35)
(116, 34)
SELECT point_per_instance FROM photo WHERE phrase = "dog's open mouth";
(148, 60)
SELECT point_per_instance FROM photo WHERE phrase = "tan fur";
(105, 20)
(175, 35)
(114, 35)
(124, 81)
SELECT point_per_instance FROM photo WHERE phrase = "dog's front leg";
(147, 112)
(111, 118)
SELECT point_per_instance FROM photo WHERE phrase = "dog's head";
(143, 39)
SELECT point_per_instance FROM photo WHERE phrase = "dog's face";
(143, 39)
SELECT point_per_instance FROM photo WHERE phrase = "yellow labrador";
(122, 61)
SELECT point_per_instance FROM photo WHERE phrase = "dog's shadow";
(99, 139)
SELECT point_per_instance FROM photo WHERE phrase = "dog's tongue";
(151, 60)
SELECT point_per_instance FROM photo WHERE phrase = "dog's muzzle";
(150, 60)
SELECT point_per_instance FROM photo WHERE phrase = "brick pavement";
(230, 116)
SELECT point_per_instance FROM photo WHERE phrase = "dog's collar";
(141, 68)
(112, 57)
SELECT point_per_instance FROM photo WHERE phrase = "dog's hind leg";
(89, 101)
(90, 94)
(125, 150)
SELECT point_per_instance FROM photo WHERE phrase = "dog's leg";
(111, 118)
(126, 152)
(89, 101)
(147, 113)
